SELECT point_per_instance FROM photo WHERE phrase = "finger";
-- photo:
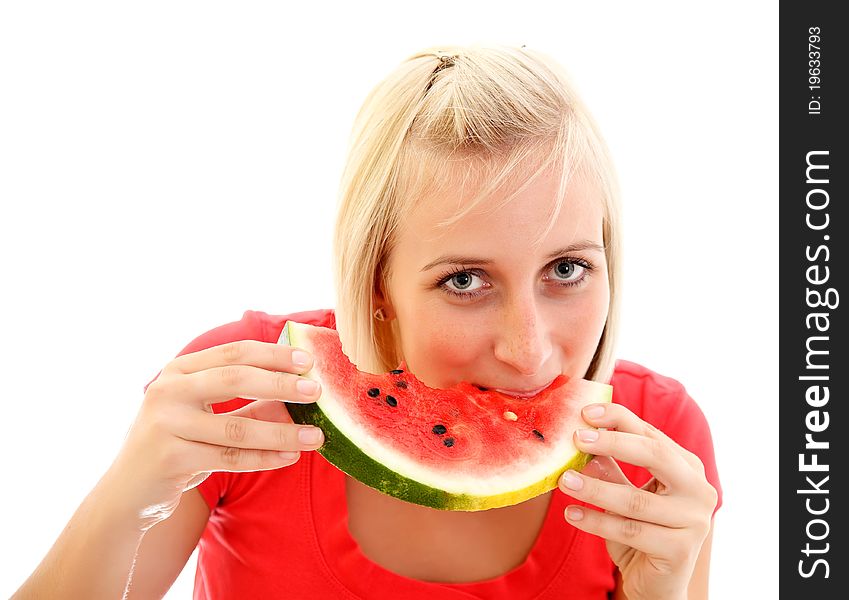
(264, 410)
(645, 537)
(622, 419)
(625, 500)
(616, 416)
(265, 355)
(241, 432)
(238, 460)
(219, 384)
(659, 456)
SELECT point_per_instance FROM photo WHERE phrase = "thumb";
(264, 410)
(606, 469)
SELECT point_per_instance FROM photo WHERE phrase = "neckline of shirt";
(350, 567)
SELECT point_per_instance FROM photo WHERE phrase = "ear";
(382, 300)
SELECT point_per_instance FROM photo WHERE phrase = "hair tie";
(445, 59)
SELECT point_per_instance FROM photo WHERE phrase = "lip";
(523, 393)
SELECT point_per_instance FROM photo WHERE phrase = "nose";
(523, 340)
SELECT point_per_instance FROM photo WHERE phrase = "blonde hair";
(494, 112)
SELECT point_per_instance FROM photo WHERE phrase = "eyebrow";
(458, 259)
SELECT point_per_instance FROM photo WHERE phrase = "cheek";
(595, 316)
(600, 306)
(579, 325)
(580, 335)
(433, 347)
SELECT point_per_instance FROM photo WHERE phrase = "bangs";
(428, 170)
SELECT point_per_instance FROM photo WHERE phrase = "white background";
(165, 166)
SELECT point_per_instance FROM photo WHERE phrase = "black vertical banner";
(814, 476)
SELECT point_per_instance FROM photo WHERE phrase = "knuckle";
(659, 450)
(697, 462)
(178, 364)
(712, 496)
(171, 367)
(156, 391)
(161, 421)
(638, 502)
(230, 375)
(157, 423)
(283, 437)
(171, 454)
(681, 548)
(231, 456)
(266, 460)
(235, 429)
(611, 441)
(649, 430)
(281, 384)
(234, 352)
(631, 528)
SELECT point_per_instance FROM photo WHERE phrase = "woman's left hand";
(653, 533)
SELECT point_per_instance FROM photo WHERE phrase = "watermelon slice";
(463, 448)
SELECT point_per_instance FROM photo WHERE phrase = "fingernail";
(573, 513)
(310, 436)
(594, 411)
(587, 435)
(572, 481)
(307, 387)
(300, 358)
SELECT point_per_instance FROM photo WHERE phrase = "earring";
(379, 315)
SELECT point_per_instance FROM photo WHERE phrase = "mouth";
(518, 393)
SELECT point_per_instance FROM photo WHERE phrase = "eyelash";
(446, 276)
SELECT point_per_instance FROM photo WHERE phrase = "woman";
(478, 240)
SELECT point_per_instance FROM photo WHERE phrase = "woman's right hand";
(176, 441)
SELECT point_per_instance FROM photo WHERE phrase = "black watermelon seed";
(391, 401)
(401, 384)
(538, 434)
(448, 442)
(481, 388)
(439, 429)
(374, 392)
(396, 371)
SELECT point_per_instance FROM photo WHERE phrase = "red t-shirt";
(283, 533)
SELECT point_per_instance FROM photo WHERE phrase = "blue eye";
(566, 269)
(461, 280)
(570, 272)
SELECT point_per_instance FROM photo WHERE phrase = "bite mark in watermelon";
(462, 448)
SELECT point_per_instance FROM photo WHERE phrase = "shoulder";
(258, 325)
(658, 399)
(632, 375)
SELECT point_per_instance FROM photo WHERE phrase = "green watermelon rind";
(345, 455)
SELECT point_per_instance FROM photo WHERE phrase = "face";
(476, 302)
